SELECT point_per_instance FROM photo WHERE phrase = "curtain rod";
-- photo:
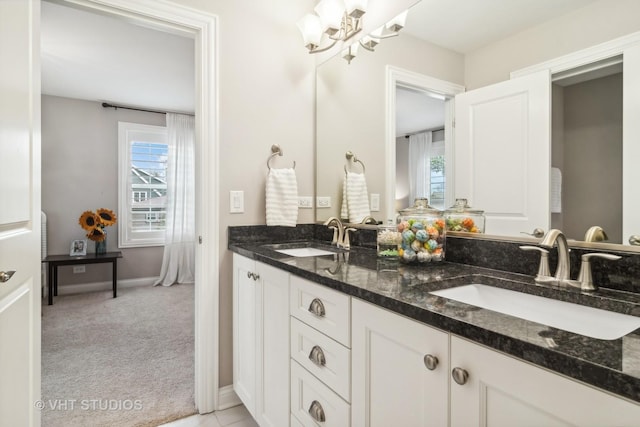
(107, 105)
(435, 129)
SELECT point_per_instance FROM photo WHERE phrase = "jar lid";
(461, 205)
(420, 206)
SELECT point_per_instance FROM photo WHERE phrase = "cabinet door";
(272, 311)
(391, 385)
(244, 331)
(502, 152)
(503, 391)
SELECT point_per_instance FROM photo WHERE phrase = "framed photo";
(78, 248)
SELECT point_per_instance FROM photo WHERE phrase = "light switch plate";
(375, 202)
(79, 269)
(236, 201)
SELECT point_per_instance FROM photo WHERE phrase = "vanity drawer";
(322, 308)
(307, 392)
(336, 370)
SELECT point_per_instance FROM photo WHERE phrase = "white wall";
(80, 173)
(593, 24)
(266, 96)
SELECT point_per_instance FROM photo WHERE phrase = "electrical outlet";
(305, 202)
(79, 269)
(375, 202)
(323, 202)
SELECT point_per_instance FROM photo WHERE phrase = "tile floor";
(238, 416)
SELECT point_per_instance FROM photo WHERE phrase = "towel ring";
(276, 151)
(351, 156)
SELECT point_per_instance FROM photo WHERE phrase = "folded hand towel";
(282, 197)
(355, 197)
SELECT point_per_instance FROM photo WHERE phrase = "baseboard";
(105, 286)
(227, 398)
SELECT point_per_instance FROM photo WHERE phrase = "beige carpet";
(126, 361)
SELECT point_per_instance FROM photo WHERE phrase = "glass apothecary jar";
(423, 233)
(461, 217)
(388, 240)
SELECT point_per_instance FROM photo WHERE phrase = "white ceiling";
(97, 57)
(466, 25)
(100, 58)
(416, 111)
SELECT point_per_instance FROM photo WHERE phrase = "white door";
(630, 143)
(391, 383)
(19, 212)
(272, 355)
(244, 330)
(502, 153)
(501, 391)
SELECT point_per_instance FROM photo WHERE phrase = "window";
(143, 152)
(437, 176)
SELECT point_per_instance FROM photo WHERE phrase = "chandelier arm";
(386, 36)
(365, 46)
(323, 49)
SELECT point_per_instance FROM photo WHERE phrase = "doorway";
(201, 27)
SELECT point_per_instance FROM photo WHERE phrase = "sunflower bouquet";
(94, 223)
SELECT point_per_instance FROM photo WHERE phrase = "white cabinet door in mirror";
(502, 152)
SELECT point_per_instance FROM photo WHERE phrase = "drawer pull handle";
(431, 362)
(317, 356)
(316, 411)
(460, 375)
(316, 307)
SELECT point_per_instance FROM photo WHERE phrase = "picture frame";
(78, 248)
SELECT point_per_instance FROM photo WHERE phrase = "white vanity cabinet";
(400, 370)
(261, 340)
(392, 385)
(503, 391)
(320, 355)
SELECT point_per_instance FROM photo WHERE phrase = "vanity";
(346, 339)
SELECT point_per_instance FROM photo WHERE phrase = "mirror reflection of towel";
(282, 197)
(355, 198)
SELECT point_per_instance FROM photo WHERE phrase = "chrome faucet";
(340, 232)
(563, 271)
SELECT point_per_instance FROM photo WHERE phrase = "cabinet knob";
(317, 412)
(6, 275)
(249, 275)
(317, 356)
(460, 375)
(431, 362)
(316, 307)
(256, 276)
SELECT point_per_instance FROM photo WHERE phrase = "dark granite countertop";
(613, 365)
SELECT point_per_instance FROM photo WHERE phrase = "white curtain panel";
(419, 167)
(178, 263)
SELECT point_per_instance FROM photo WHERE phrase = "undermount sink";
(579, 319)
(304, 252)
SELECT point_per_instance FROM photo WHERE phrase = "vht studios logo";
(89, 404)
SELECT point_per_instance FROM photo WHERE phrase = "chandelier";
(337, 20)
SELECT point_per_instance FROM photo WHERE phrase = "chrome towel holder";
(350, 155)
(276, 151)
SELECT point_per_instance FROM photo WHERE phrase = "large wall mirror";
(353, 102)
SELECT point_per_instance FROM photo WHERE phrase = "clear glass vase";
(101, 247)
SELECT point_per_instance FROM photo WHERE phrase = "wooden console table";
(55, 261)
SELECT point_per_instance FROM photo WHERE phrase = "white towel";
(556, 190)
(282, 197)
(355, 198)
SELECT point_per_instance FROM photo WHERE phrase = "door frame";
(202, 27)
(396, 76)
